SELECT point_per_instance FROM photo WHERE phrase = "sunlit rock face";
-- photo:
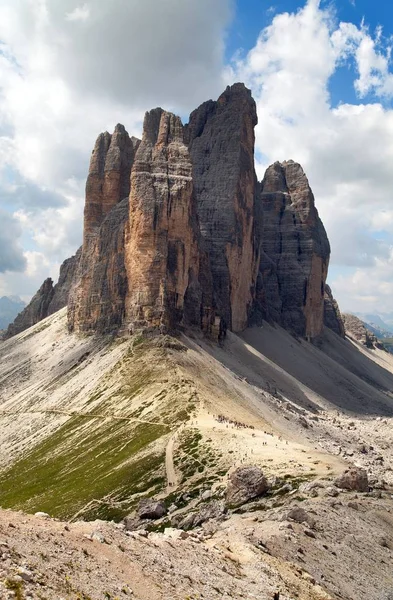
(97, 297)
(163, 254)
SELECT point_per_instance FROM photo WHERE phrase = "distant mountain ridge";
(379, 323)
(10, 307)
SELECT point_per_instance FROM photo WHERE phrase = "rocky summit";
(179, 233)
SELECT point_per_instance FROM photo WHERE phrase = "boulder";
(149, 508)
(246, 483)
(298, 514)
(208, 512)
(354, 479)
(132, 523)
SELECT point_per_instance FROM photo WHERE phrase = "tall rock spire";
(221, 141)
(295, 252)
(96, 301)
(108, 181)
(162, 253)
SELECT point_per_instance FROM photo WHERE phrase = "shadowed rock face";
(221, 141)
(294, 252)
(62, 288)
(35, 311)
(332, 316)
(48, 300)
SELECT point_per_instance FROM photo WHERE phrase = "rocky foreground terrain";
(110, 422)
(309, 548)
(186, 414)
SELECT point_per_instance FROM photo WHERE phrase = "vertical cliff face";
(35, 311)
(108, 181)
(295, 252)
(162, 251)
(97, 299)
(61, 290)
(221, 142)
(178, 232)
(332, 315)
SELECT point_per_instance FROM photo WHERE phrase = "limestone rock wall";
(163, 254)
(221, 142)
(178, 232)
(49, 298)
(62, 288)
(97, 297)
(294, 252)
(108, 181)
(199, 241)
(332, 315)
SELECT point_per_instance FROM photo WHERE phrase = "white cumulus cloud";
(71, 69)
(346, 150)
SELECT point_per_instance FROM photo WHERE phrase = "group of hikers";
(237, 424)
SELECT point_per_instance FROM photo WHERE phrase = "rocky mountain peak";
(221, 142)
(178, 231)
(162, 127)
(108, 181)
(295, 252)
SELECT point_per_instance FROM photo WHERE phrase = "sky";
(321, 74)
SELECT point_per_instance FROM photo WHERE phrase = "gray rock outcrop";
(354, 479)
(149, 508)
(48, 299)
(245, 484)
(221, 142)
(332, 316)
(356, 329)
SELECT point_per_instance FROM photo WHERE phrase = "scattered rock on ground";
(246, 483)
(298, 514)
(354, 479)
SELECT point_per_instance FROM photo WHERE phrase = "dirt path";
(76, 414)
(278, 454)
(172, 480)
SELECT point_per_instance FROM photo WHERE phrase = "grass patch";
(14, 586)
(85, 459)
